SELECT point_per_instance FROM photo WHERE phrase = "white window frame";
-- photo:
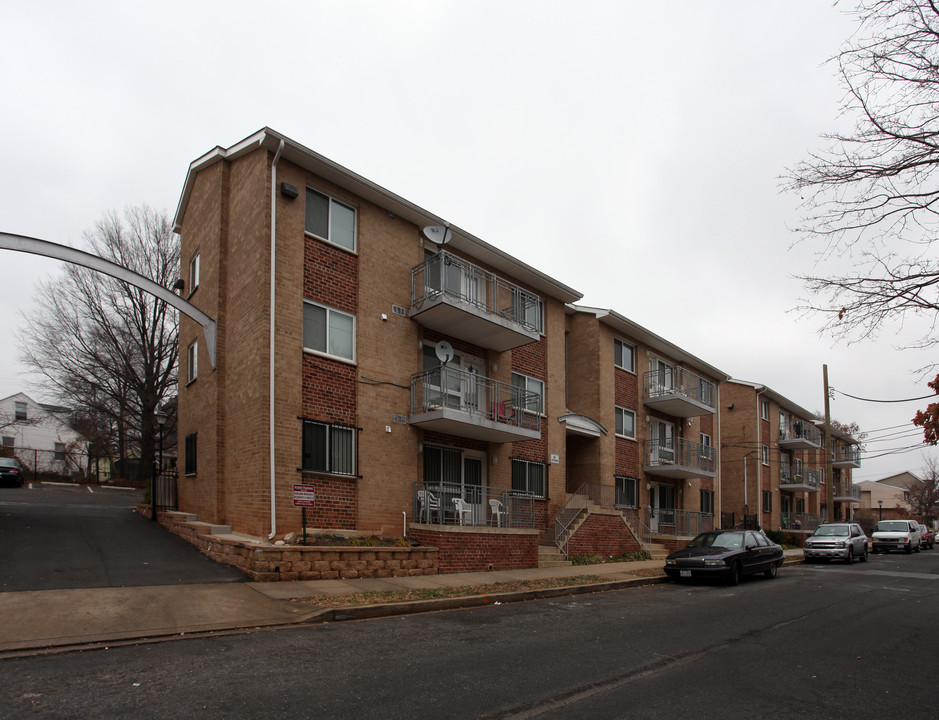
(331, 203)
(764, 454)
(539, 388)
(194, 271)
(705, 446)
(20, 410)
(632, 354)
(624, 412)
(192, 357)
(325, 352)
(764, 409)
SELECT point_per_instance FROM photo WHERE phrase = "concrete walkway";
(41, 621)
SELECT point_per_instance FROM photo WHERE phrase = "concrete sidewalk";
(39, 621)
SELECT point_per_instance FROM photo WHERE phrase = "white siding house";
(39, 436)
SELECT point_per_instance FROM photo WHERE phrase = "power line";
(855, 397)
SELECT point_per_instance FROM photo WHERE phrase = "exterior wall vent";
(398, 310)
(401, 419)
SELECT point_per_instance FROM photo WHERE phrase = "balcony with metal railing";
(678, 523)
(846, 456)
(678, 458)
(846, 492)
(798, 479)
(800, 521)
(450, 503)
(466, 404)
(799, 435)
(456, 297)
(679, 392)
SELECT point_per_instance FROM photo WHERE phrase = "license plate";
(684, 573)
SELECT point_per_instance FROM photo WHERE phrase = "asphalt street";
(819, 641)
(56, 537)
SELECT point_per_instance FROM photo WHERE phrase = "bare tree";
(103, 346)
(870, 197)
(924, 495)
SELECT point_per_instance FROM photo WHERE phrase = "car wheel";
(864, 554)
(770, 572)
(908, 549)
(850, 558)
(917, 548)
(733, 577)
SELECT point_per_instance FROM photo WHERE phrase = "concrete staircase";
(658, 551)
(549, 556)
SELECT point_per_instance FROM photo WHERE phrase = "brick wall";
(477, 550)
(603, 534)
(269, 563)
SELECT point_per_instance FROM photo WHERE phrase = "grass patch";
(389, 596)
(599, 559)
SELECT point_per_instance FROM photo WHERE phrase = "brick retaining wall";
(470, 549)
(266, 563)
(603, 533)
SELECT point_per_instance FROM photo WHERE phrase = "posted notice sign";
(304, 496)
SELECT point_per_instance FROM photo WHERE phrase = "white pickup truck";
(902, 535)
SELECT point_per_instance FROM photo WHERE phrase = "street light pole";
(881, 503)
(160, 417)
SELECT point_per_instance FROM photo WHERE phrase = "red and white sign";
(304, 496)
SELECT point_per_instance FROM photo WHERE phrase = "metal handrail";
(800, 430)
(678, 451)
(588, 493)
(453, 276)
(676, 380)
(684, 522)
(432, 503)
(469, 392)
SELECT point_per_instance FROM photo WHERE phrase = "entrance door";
(474, 481)
(663, 433)
(662, 501)
(474, 390)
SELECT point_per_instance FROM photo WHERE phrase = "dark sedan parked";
(11, 472)
(726, 554)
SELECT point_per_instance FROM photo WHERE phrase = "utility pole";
(829, 480)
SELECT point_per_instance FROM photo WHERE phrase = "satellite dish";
(439, 234)
(444, 352)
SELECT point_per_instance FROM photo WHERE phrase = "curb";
(411, 607)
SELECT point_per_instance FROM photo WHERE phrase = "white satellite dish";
(444, 352)
(439, 234)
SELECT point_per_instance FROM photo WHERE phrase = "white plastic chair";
(497, 512)
(429, 504)
(462, 508)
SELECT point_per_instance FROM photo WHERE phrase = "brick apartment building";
(661, 458)
(422, 381)
(774, 466)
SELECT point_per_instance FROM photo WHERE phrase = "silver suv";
(842, 541)
(897, 535)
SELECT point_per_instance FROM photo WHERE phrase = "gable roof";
(299, 155)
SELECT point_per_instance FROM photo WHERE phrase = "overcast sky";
(629, 149)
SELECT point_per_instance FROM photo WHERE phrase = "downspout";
(720, 485)
(271, 349)
(759, 455)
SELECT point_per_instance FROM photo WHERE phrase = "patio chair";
(462, 509)
(495, 506)
(429, 504)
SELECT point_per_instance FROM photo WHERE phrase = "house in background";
(39, 436)
(887, 498)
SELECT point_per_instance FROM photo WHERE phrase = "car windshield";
(717, 539)
(892, 526)
(8, 462)
(832, 530)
